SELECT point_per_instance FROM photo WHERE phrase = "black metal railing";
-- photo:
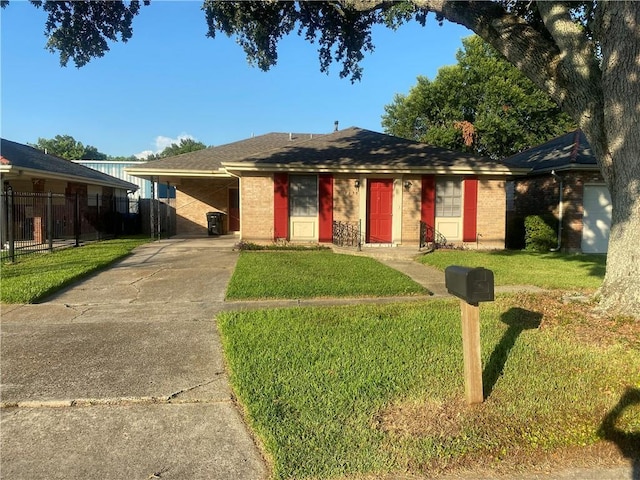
(37, 222)
(347, 234)
(430, 237)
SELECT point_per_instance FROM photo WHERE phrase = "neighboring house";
(29, 170)
(295, 187)
(84, 202)
(117, 169)
(565, 181)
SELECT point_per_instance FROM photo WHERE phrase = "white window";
(303, 195)
(449, 197)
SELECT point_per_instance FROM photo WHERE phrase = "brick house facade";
(383, 184)
(565, 163)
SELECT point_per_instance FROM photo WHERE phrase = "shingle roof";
(23, 157)
(360, 149)
(210, 159)
(569, 151)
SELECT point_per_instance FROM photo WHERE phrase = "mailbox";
(472, 285)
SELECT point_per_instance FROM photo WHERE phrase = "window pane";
(303, 195)
(448, 197)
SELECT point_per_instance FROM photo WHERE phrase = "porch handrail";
(430, 237)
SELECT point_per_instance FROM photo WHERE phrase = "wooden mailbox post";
(471, 285)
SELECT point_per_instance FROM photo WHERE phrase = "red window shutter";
(428, 206)
(280, 206)
(470, 211)
(325, 200)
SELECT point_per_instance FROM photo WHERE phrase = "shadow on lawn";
(627, 442)
(518, 320)
(593, 264)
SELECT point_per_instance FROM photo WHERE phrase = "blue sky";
(170, 81)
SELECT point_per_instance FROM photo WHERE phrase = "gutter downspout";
(558, 178)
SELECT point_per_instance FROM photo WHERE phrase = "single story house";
(297, 187)
(28, 170)
(81, 197)
(564, 180)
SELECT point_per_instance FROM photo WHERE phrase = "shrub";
(539, 236)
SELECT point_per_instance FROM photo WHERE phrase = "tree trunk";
(620, 292)
(619, 155)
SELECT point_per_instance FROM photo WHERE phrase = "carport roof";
(208, 162)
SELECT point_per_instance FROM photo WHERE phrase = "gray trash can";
(215, 222)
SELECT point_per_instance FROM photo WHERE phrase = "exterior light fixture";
(357, 184)
(407, 184)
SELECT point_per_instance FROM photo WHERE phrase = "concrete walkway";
(121, 376)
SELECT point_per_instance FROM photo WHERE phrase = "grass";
(546, 270)
(369, 390)
(36, 276)
(308, 274)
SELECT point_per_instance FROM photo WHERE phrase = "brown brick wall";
(491, 214)
(346, 199)
(256, 209)
(196, 197)
(540, 195)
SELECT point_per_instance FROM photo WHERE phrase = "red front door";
(379, 208)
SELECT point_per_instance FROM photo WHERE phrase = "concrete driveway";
(122, 375)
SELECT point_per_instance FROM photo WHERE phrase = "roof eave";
(184, 173)
(567, 168)
(29, 172)
(364, 169)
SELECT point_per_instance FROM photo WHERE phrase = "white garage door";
(596, 221)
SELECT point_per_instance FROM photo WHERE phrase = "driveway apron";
(122, 375)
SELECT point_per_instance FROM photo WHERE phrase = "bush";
(539, 235)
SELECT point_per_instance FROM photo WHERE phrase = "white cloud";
(161, 142)
(144, 154)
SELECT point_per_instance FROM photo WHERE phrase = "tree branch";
(575, 47)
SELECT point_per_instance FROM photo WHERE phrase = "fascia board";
(148, 173)
(453, 170)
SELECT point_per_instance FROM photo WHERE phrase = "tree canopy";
(584, 54)
(66, 146)
(185, 145)
(483, 104)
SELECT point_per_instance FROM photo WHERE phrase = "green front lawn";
(368, 390)
(318, 273)
(35, 276)
(546, 270)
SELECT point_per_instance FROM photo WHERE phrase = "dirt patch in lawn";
(576, 314)
(433, 418)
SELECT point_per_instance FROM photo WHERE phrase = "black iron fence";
(35, 222)
(347, 234)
